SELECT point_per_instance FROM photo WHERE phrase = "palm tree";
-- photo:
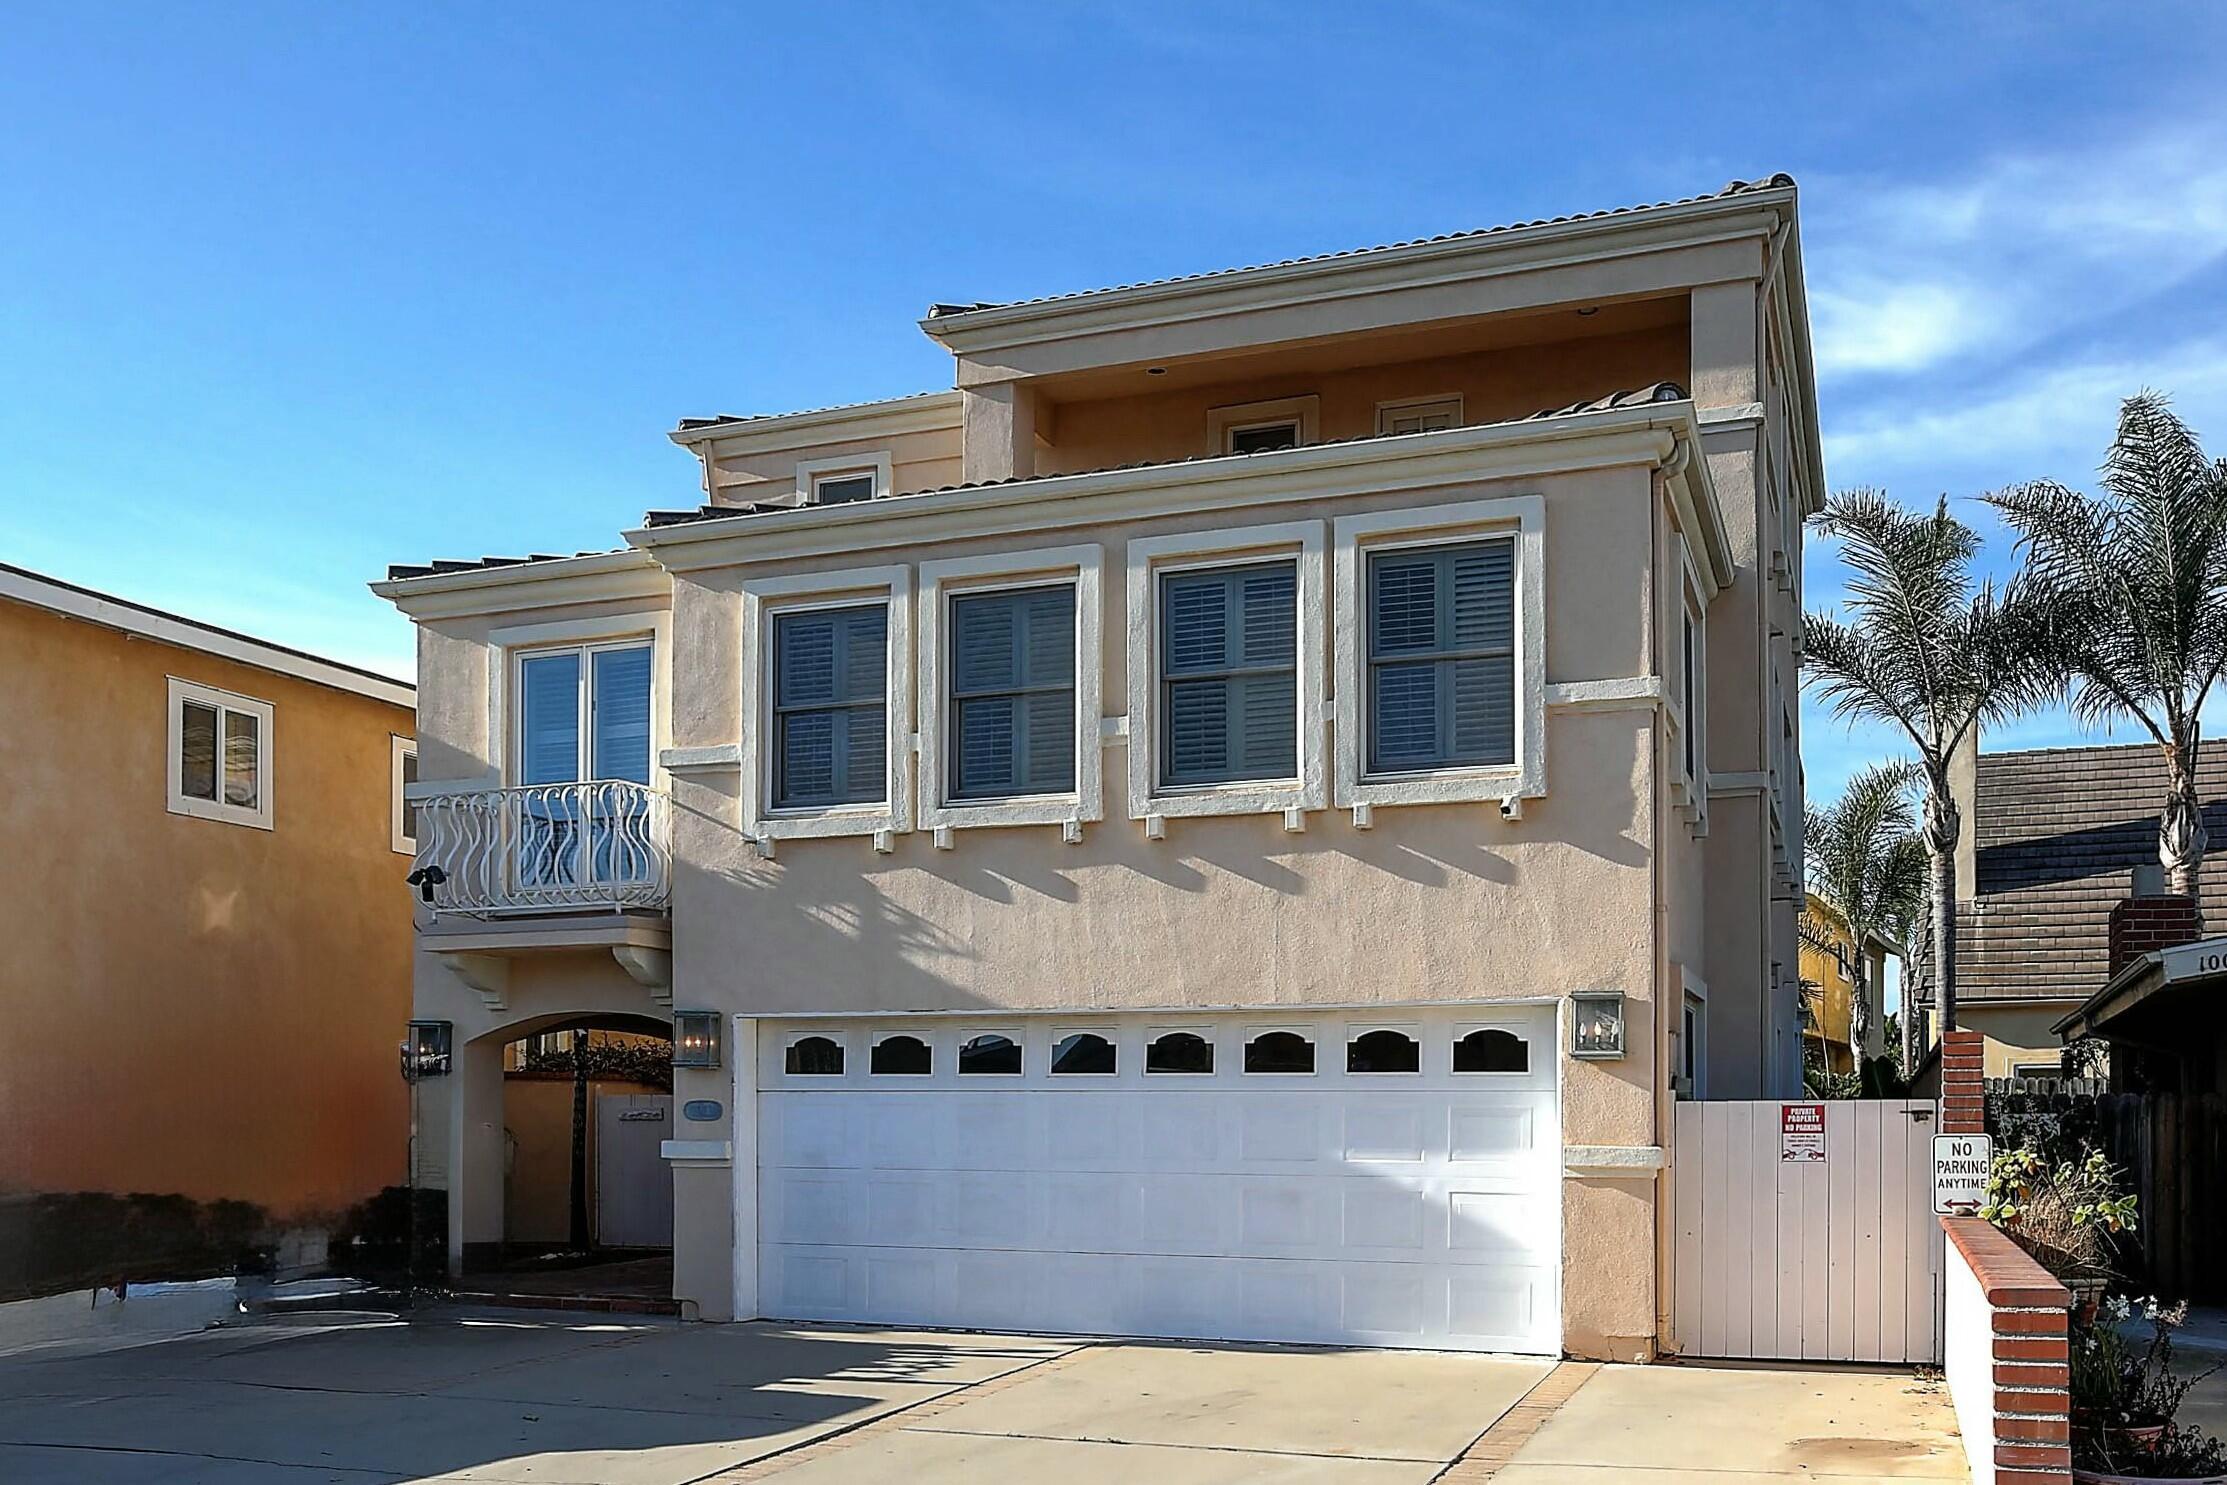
(1864, 860)
(2140, 574)
(1929, 651)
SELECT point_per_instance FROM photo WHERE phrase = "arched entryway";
(564, 1120)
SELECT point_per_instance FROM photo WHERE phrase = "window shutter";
(807, 763)
(830, 689)
(1484, 709)
(1483, 596)
(549, 746)
(1019, 648)
(1404, 598)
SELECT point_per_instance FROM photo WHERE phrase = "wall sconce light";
(1597, 1024)
(695, 1038)
(425, 1050)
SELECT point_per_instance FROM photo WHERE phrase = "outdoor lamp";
(1597, 1024)
(695, 1038)
(425, 1050)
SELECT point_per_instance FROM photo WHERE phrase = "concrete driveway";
(520, 1397)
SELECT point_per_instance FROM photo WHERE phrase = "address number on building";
(1960, 1163)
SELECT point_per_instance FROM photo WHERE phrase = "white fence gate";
(1789, 1251)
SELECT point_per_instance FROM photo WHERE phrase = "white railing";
(601, 844)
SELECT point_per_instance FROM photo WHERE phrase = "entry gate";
(1802, 1244)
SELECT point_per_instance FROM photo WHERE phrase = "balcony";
(547, 848)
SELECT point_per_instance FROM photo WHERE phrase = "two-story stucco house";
(1237, 820)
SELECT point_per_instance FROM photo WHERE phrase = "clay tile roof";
(402, 571)
(1779, 181)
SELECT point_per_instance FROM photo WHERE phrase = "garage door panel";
(1389, 1210)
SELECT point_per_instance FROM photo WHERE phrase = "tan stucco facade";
(1597, 864)
(195, 1006)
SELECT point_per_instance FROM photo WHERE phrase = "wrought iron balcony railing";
(546, 847)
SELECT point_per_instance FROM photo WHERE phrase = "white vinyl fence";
(1801, 1248)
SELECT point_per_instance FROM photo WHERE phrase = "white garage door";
(1392, 1182)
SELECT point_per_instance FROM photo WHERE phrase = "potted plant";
(2070, 1214)
(2125, 1396)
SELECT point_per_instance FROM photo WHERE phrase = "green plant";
(1927, 650)
(2138, 578)
(2068, 1214)
(2123, 1389)
(1865, 863)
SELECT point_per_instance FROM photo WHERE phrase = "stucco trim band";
(1612, 1162)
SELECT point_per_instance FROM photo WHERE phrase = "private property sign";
(1802, 1133)
(1960, 1163)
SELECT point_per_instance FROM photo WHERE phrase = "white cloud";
(1912, 275)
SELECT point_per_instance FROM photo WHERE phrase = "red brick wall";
(2025, 1399)
(1963, 1087)
(2141, 925)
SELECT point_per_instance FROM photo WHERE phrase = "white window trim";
(1221, 422)
(1357, 1029)
(1111, 1034)
(939, 582)
(1534, 1065)
(925, 1036)
(1203, 1031)
(506, 646)
(1147, 559)
(400, 748)
(181, 691)
(763, 599)
(1385, 410)
(1353, 539)
(1311, 1035)
(809, 473)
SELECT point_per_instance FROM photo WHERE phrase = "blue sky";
(289, 291)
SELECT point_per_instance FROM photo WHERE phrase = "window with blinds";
(830, 707)
(1012, 701)
(584, 713)
(1229, 681)
(1441, 657)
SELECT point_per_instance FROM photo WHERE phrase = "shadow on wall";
(53, 1242)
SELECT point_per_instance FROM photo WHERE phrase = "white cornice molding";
(628, 576)
(188, 634)
(921, 413)
(1482, 255)
(1616, 694)
(1646, 435)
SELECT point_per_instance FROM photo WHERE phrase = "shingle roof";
(1631, 397)
(1779, 181)
(2056, 834)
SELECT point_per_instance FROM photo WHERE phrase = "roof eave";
(1490, 242)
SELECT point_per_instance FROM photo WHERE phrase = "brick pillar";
(2140, 925)
(1963, 1088)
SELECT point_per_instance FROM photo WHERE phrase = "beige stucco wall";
(2015, 1033)
(1495, 385)
(195, 1006)
(924, 459)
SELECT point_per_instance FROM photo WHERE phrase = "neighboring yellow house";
(1828, 983)
(203, 841)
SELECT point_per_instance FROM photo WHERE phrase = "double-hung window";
(583, 722)
(830, 707)
(220, 755)
(1229, 676)
(1012, 702)
(1441, 657)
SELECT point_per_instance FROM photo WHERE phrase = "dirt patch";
(1830, 1450)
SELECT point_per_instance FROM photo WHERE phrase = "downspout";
(1666, 1205)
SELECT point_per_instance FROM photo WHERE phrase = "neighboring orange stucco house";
(208, 957)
